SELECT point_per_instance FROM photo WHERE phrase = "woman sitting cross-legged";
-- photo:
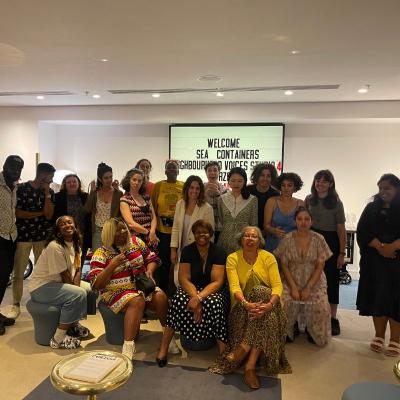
(56, 281)
(114, 270)
(199, 307)
(303, 254)
(257, 320)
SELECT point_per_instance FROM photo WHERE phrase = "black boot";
(335, 327)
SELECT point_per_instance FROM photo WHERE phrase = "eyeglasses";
(251, 236)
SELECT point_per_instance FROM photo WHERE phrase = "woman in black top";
(378, 235)
(70, 200)
(199, 307)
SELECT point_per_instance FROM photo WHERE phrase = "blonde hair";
(109, 230)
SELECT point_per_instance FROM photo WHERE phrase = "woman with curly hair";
(56, 280)
(136, 208)
(279, 211)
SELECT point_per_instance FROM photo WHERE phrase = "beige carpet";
(317, 373)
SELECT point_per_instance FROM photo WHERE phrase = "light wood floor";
(317, 373)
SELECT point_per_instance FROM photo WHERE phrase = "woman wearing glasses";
(257, 321)
(136, 208)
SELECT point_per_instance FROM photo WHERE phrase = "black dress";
(215, 306)
(379, 286)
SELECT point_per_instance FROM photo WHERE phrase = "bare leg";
(333, 310)
(165, 341)
(159, 303)
(380, 324)
(133, 315)
(394, 330)
(221, 346)
(252, 359)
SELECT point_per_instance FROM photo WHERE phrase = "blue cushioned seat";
(372, 391)
(199, 345)
(113, 324)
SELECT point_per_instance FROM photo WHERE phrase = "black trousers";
(163, 273)
(7, 251)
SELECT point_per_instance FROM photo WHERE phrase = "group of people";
(249, 266)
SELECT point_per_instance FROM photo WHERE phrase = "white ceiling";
(56, 45)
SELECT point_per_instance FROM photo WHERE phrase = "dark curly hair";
(259, 168)
(102, 168)
(212, 164)
(240, 171)
(56, 235)
(186, 186)
(292, 177)
(143, 159)
(331, 200)
(126, 180)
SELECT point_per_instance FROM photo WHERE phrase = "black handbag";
(144, 284)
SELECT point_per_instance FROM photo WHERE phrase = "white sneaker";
(129, 350)
(173, 347)
(14, 312)
(68, 342)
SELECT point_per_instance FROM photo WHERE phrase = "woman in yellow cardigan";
(257, 320)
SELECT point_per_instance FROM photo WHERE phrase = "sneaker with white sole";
(68, 342)
(14, 312)
(173, 347)
(78, 331)
(129, 350)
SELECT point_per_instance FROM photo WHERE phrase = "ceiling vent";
(54, 93)
(228, 89)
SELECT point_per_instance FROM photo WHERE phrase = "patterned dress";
(234, 215)
(316, 310)
(121, 287)
(141, 214)
(215, 307)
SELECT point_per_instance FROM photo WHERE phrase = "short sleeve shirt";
(31, 199)
(326, 219)
(190, 254)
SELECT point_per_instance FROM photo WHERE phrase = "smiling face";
(121, 235)
(236, 182)
(322, 186)
(212, 173)
(250, 239)
(66, 227)
(136, 182)
(106, 179)
(387, 192)
(194, 191)
(72, 185)
(303, 221)
(287, 188)
(202, 236)
(145, 167)
(171, 170)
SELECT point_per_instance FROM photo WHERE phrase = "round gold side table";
(396, 369)
(114, 379)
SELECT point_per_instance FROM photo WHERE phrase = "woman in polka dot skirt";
(198, 310)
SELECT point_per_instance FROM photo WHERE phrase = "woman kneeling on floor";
(257, 321)
(56, 280)
(303, 254)
(115, 270)
(199, 307)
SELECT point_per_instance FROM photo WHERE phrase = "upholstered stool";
(46, 317)
(372, 391)
(45, 320)
(113, 324)
(199, 345)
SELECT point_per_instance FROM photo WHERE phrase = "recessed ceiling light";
(288, 92)
(96, 96)
(220, 94)
(364, 89)
(294, 52)
(156, 95)
(104, 60)
(209, 78)
(40, 97)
